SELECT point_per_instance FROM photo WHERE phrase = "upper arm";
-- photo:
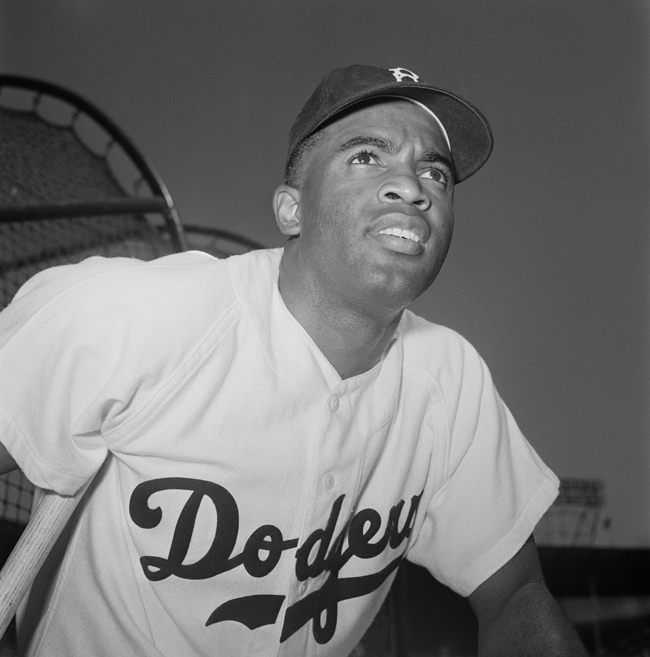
(492, 595)
(518, 616)
(7, 463)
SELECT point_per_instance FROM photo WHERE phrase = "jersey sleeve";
(64, 342)
(495, 488)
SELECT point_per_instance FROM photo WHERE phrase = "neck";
(352, 339)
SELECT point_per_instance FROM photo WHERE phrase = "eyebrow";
(387, 146)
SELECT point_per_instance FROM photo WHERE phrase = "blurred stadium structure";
(574, 517)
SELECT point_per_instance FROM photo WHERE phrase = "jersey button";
(303, 588)
(329, 482)
(334, 404)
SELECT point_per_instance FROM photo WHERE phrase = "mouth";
(402, 233)
(407, 240)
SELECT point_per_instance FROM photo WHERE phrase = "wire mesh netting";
(43, 161)
(57, 161)
(29, 247)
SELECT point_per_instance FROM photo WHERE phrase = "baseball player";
(271, 434)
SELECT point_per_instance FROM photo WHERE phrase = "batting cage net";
(72, 185)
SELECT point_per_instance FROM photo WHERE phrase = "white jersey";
(247, 500)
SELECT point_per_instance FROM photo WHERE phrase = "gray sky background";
(548, 272)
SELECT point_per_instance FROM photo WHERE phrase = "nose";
(405, 188)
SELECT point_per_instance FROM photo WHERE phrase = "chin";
(392, 285)
(405, 289)
(398, 298)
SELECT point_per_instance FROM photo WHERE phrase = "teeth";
(400, 232)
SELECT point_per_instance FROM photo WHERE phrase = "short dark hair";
(294, 171)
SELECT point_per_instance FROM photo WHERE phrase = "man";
(272, 434)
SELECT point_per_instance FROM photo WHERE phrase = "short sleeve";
(496, 487)
(62, 355)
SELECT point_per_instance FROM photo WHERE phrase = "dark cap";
(468, 131)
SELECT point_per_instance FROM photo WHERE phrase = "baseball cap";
(468, 131)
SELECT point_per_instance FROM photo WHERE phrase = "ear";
(286, 202)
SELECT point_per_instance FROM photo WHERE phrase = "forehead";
(399, 120)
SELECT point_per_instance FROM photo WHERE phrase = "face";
(375, 207)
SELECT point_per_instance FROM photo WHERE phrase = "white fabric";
(223, 422)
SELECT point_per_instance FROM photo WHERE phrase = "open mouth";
(401, 233)
(401, 240)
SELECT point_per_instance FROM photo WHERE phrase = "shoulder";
(109, 287)
(112, 276)
(179, 296)
(172, 296)
(447, 363)
(151, 315)
(436, 349)
(171, 286)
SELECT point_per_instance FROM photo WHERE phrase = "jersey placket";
(336, 458)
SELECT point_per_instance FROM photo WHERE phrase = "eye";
(363, 157)
(438, 174)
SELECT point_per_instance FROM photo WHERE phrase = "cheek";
(449, 231)
(444, 225)
(338, 217)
